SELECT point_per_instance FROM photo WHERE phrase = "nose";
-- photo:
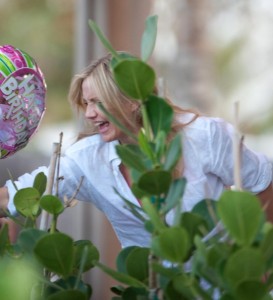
(91, 111)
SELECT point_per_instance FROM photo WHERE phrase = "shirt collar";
(113, 156)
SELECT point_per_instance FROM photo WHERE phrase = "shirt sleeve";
(256, 169)
(23, 181)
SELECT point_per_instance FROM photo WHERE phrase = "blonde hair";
(114, 100)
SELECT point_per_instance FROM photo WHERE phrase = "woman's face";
(108, 131)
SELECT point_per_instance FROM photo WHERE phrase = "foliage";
(221, 249)
(45, 265)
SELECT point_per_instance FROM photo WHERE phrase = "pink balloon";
(22, 99)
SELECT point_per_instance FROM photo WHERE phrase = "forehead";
(88, 89)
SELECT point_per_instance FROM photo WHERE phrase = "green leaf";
(70, 283)
(28, 238)
(145, 145)
(194, 224)
(92, 254)
(55, 251)
(40, 183)
(171, 244)
(26, 201)
(52, 204)
(130, 156)
(266, 247)
(132, 293)
(155, 182)
(137, 263)
(123, 278)
(189, 287)
(251, 290)
(149, 208)
(174, 153)
(93, 25)
(160, 114)
(135, 78)
(160, 144)
(149, 37)
(235, 210)
(121, 56)
(174, 195)
(121, 259)
(207, 210)
(68, 295)
(246, 264)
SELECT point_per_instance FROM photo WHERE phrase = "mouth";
(102, 126)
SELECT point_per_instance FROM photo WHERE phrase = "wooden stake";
(50, 182)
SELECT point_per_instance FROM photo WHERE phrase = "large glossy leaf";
(171, 244)
(91, 255)
(155, 182)
(251, 290)
(40, 182)
(52, 204)
(131, 157)
(174, 195)
(135, 78)
(149, 37)
(121, 259)
(121, 277)
(236, 209)
(28, 238)
(160, 114)
(26, 201)
(55, 251)
(174, 153)
(137, 263)
(121, 56)
(246, 264)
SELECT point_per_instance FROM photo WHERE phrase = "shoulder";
(84, 145)
(91, 149)
(206, 129)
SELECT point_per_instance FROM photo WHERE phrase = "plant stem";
(146, 123)
(53, 225)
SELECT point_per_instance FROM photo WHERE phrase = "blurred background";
(212, 53)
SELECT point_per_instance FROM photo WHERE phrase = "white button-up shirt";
(208, 168)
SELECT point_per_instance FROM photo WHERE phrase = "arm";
(4, 199)
(266, 198)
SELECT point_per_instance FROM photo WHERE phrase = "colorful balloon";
(22, 99)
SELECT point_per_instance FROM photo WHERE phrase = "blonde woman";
(207, 156)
